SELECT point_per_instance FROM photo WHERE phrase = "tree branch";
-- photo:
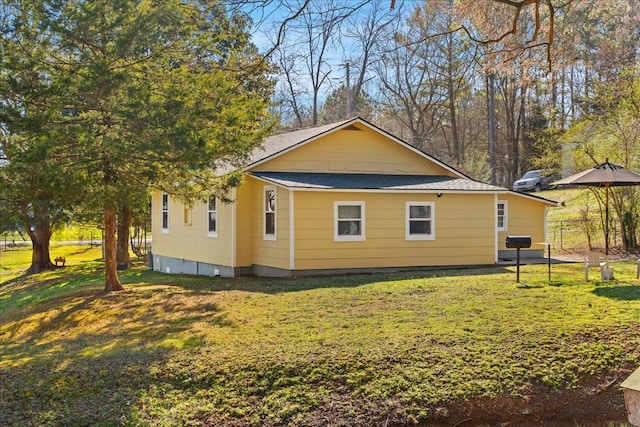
(281, 30)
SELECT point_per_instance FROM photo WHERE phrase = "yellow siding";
(464, 232)
(354, 151)
(190, 241)
(464, 224)
(244, 227)
(271, 253)
(525, 217)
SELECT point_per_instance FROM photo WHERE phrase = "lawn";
(442, 346)
(577, 211)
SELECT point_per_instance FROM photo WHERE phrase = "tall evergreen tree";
(124, 94)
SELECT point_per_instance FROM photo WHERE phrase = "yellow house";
(344, 197)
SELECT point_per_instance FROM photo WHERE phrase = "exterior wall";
(244, 208)
(525, 217)
(269, 253)
(188, 241)
(181, 266)
(464, 232)
(353, 151)
(464, 224)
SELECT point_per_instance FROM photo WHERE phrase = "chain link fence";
(576, 235)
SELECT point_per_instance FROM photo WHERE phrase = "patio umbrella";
(603, 175)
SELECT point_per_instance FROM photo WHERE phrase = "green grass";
(365, 349)
(75, 232)
(565, 223)
(14, 261)
(571, 202)
(68, 233)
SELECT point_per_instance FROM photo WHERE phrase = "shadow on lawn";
(100, 390)
(90, 357)
(18, 279)
(269, 285)
(619, 292)
(95, 323)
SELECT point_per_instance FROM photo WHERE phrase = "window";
(187, 215)
(420, 221)
(501, 214)
(349, 221)
(212, 215)
(165, 212)
(269, 213)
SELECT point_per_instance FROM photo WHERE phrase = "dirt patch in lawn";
(600, 404)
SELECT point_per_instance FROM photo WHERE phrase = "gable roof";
(280, 144)
(277, 145)
(283, 142)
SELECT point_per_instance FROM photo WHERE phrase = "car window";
(532, 174)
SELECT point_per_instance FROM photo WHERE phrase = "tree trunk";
(40, 235)
(492, 125)
(111, 280)
(458, 155)
(628, 230)
(123, 258)
(40, 256)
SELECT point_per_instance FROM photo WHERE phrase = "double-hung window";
(420, 221)
(349, 221)
(270, 199)
(501, 215)
(165, 213)
(212, 215)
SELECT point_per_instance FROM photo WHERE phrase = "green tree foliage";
(334, 108)
(120, 95)
(610, 129)
(542, 141)
(37, 193)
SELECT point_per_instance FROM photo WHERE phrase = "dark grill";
(518, 242)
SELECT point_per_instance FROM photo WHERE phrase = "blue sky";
(268, 16)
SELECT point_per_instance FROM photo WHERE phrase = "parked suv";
(535, 180)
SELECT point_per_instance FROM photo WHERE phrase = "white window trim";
(266, 236)
(430, 236)
(162, 211)
(359, 238)
(209, 211)
(505, 225)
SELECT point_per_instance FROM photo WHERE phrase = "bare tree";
(509, 37)
(513, 100)
(320, 25)
(430, 79)
(359, 41)
(411, 87)
(290, 88)
(457, 66)
(303, 49)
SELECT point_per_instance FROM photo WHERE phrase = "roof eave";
(534, 197)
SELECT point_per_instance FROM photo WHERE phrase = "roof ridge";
(311, 127)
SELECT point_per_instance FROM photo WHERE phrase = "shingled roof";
(361, 181)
